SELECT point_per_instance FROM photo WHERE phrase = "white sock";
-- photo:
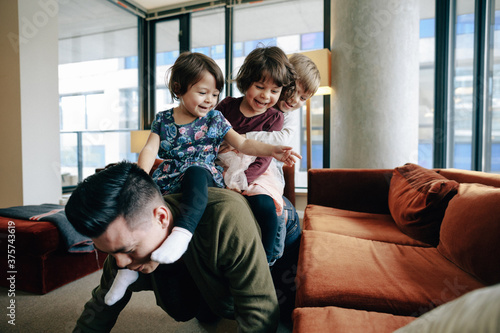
(173, 247)
(123, 279)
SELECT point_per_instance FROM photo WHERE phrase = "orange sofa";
(381, 247)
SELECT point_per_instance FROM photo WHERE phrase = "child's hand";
(225, 147)
(284, 154)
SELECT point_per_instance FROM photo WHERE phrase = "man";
(123, 212)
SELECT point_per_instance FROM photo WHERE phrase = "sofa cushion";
(418, 198)
(335, 319)
(476, 311)
(371, 226)
(470, 232)
(368, 275)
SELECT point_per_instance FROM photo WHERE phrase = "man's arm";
(97, 316)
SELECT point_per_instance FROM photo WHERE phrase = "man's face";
(132, 248)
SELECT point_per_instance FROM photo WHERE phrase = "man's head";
(306, 84)
(122, 210)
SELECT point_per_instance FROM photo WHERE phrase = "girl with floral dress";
(188, 137)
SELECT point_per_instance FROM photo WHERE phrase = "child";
(306, 85)
(265, 75)
(188, 138)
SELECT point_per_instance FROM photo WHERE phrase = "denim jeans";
(288, 230)
(292, 225)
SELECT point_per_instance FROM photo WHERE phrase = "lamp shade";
(322, 59)
(138, 140)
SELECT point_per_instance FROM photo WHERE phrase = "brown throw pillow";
(418, 198)
(470, 232)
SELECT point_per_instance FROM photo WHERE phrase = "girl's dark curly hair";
(264, 63)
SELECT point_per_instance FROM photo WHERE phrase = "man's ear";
(163, 216)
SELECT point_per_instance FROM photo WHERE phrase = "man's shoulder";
(217, 194)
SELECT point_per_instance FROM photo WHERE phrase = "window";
(167, 51)
(293, 26)
(492, 115)
(98, 85)
(426, 86)
(461, 111)
(212, 43)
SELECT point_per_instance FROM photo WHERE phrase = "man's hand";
(284, 154)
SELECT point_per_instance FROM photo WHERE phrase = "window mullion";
(444, 41)
(480, 87)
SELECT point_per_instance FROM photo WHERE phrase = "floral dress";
(183, 146)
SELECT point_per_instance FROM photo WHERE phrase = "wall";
(11, 177)
(32, 114)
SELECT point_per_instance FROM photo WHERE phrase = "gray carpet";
(57, 312)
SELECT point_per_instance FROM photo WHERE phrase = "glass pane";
(460, 122)
(492, 118)
(167, 51)
(316, 136)
(296, 26)
(98, 77)
(426, 86)
(211, 44)
(101, 149)
(72, 110)
(69, 159)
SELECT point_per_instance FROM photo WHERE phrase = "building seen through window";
(99, 76)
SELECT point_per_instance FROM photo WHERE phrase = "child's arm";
(283, 137)
(256, 148)
(148, 154)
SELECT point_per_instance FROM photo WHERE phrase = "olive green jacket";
(225, 259)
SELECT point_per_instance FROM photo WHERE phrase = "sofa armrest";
(362, 190)
(289, 190)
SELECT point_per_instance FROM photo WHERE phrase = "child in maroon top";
(266, 74)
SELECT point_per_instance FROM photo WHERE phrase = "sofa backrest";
(467, 176)
(361, 190)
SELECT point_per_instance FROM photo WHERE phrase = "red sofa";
(381, 247)
(41, 262)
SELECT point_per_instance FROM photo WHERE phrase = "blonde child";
(188, 137)
(265, 75)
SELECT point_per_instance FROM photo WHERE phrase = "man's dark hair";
(121, 190)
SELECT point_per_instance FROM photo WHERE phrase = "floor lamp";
(138, 140)
(322, 59)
